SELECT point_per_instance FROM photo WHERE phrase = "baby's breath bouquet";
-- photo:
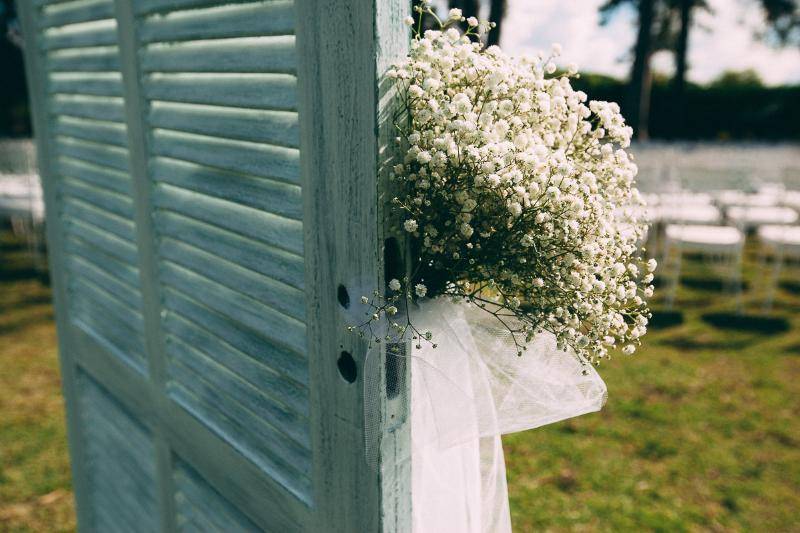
(509, 188)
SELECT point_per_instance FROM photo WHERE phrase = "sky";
(718, 42)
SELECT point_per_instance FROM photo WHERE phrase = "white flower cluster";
(508, 186)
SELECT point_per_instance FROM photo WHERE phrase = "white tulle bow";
(463, 396)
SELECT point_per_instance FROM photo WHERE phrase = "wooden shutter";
(210, 172)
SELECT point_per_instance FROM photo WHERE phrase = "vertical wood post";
(344, 48)
(136, 109)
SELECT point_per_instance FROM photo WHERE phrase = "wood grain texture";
(339, 74)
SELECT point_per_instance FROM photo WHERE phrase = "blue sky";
(725, 43)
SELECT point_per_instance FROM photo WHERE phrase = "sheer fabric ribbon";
(463, 395)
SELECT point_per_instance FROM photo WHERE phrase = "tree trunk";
(497, 11)
(639, 88)
(681, 66)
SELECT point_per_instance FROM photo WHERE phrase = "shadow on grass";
(685, 342)
(663, 319)
(29, 301)
(748, 323)
(708, 284)
(791, 286)
(17, 325)
(18, 274)
(794, 349)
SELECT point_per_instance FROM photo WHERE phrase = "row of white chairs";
(715, 225)
(724, 245)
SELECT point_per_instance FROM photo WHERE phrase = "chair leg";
(674, 273)
(736, 278)
(775, 273)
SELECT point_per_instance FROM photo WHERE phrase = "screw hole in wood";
(343, 296)
(347, 367)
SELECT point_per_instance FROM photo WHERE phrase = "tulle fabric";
(463, 396)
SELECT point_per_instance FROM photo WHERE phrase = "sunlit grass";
(35, 492)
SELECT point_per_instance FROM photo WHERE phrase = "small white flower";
(394, 284)
(420, 290)
(410, 225)
(472, 21)
(629, 349)
(364, 300)
(391, 310)
(454, 14)
(408, 21)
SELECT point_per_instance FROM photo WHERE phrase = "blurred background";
(701, 430)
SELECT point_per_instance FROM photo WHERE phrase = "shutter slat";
(279, 421)
(97, 107)
(100, 154)
(275, 356)
(100, 33)
(270, 381)
(79, 209)
(99, 175)
(123, 272)
(247, 20)
(276, 295)
(105, 280)
(61, 14)
(278, 327)
(97, 83)
(258, 91)
(100, 59)
(109, 243)
(101, 198)
(240, 156)
(272, 262)
(281, 232)
(252, 54)
(91, 130)
(260, 193)
(271, 127)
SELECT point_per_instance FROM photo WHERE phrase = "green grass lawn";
(700, 432)
(35, 493)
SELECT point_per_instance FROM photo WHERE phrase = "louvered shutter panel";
(211, 180)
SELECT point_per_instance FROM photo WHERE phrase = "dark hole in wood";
(343, 296)
(347, 367)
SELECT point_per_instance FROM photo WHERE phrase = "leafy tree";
(647, 41)
(743, 78)
(783, 21)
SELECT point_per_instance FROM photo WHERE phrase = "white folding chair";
(717, 242)
(750, 217)
(781, 243)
